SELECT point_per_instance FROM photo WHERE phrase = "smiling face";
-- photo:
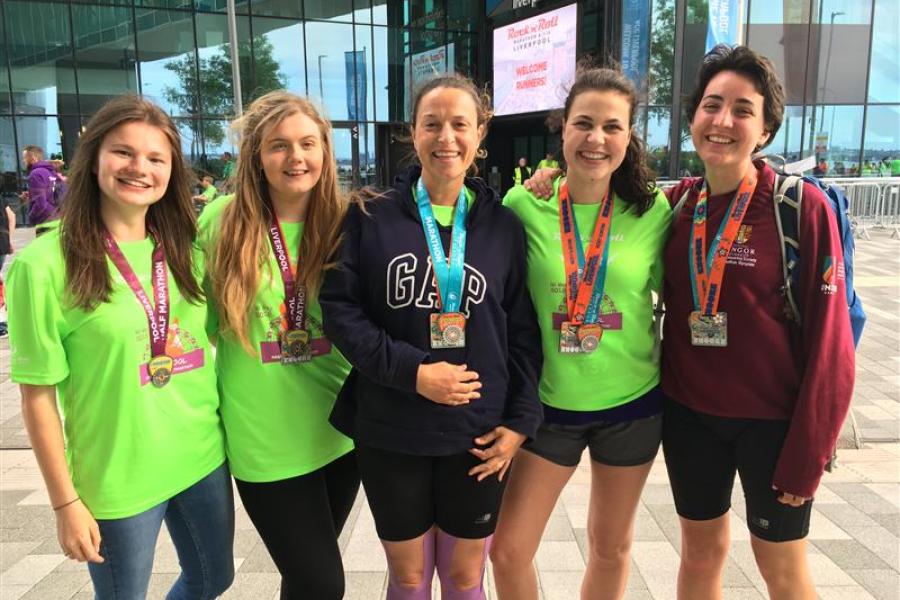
(729, 122)
(596, 134)
(292, 155)
(133, 167)
(446, 134)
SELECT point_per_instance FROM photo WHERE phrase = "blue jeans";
(200, 521)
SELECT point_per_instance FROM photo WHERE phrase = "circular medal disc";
(452, 334)
(589, 343)
(160, 370)
(295, 341)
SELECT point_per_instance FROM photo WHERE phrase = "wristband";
(61, 506)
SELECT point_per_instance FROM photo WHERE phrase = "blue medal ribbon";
(447, 274)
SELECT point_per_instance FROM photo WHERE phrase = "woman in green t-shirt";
(594, 258)
(268, 246)
(107, 319)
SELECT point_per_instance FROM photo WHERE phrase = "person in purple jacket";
(45, 184)
(446, 354)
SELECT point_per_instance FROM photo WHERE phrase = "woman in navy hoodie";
(428, 303)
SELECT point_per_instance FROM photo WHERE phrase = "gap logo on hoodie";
(404, 289)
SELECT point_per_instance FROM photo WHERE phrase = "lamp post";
(834, 13)
(321, 92)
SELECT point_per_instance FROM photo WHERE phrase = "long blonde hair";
(243, 248)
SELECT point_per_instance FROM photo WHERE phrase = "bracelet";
(61, 506)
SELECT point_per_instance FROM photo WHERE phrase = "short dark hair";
(752, 65)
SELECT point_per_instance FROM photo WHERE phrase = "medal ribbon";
(294, 295)
(585, 275)
(157, 311)
(448, 274)
(708, 267)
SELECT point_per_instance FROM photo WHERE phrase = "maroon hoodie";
(769, 370)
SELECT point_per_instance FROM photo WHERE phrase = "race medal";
(589, 336)
(295, 346)
(448, 330)
(709, 330)
(160, 369)
(568, 338)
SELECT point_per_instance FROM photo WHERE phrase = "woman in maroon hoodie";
(749, 391)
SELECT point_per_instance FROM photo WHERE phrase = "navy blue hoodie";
(376, 306)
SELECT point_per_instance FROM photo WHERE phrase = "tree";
(212, 93)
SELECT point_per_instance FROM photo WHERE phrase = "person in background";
(7, 227)
(228, 167)
(522, 171)
(208, 194)
(45, 187)
(548, 162)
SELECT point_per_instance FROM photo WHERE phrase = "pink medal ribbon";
(161, 365)
(295, 342)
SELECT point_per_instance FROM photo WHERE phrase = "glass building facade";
(62, 59)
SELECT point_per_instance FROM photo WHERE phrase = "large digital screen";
(534, 62)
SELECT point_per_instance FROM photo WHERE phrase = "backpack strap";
(788, 197)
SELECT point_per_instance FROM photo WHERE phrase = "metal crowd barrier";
(874, 202)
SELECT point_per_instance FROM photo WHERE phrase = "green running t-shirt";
(130, 445)
(625, 365)
(276, 415)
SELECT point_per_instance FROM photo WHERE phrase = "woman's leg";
(466, 515)
(615, 492)
(533, 489)
(785, 569)
(400, 493)
(128, 547)
(701, 464)
(201, 523)
(295, 518)
(704, 548)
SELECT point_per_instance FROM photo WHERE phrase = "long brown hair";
(243, 244)
(171, 218)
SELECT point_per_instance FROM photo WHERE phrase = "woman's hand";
(78, 533)
(792, 500)
(449, 384)
(541, 183)
(498, 456)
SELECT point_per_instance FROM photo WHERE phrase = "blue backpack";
(788, 199)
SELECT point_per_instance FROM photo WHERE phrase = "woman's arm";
(77, 531)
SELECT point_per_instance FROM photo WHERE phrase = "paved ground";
(854, 533)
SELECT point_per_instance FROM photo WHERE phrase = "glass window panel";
(427, 14)
(56, 135)
(163, 3)
(362, 11)
(5, 102)
(787, 141)
(278, 56)
(883, 140)
(379, 12)
(662, 52)
(852, 12)
(214, 145)
(659, 120)
(191, 141)
(216, 88)
(841, 47)
(461, 53)
(780, 31)
(9, 163)
(834, 134)
(343, 156)
(778, 12)
(277, 8)
(40, 55)
(366, 98)
(330, 10)
(884, 76)
(462, 15)
(382, 66)
(367, 166)
(104, 48)
(166, 54)
(241, 7)
(327, 67)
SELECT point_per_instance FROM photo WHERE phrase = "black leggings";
(299, 520)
